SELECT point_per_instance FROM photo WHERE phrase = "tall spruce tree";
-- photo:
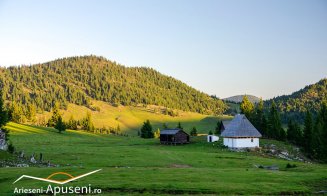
(55, 116)
(294, 134)
(218, 126)
(308, 133)
(16, 113)
(87, 122)
(3, 112)
(31, 113)
(60, 125)
(247, 107)
(179, 126)
(146, 130)
(320, 135)
(259, 120)
(275, 129)
(194, 132)
(323, 116)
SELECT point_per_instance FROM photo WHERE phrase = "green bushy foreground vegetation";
(134, 165)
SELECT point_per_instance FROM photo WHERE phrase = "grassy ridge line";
(130, 119)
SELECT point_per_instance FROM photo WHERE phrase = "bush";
(288, 165)
(11, 148)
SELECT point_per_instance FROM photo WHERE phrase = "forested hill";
(79, 79)
(295, 105)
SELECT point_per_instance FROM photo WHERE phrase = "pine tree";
(55, 116)
(294, 134)
(218, 127)
(87, 122)
(264, 126)
(247, 107)
(290, 131)
(3, 112)
(259, 119)
(194, 132)
(31, 113)
(318, 141)
(323, 116)
(275, 129)
(146, 130)
(60, 125)
(282, 134)
(179, 126)
(16, 113)
(320, 135)
(308, 133)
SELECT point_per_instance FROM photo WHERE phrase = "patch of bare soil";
(180, 166)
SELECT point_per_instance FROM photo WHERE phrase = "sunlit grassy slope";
(131, 118)
(131, 165)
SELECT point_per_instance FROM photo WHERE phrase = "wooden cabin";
(174, 136)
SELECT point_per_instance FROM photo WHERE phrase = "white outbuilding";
(240, 133)
(212, 138)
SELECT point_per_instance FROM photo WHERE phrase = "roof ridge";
(240, 126)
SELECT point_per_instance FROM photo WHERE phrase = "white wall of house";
(212, 138)
(241, 142)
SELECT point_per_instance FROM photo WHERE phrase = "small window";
(251, 139)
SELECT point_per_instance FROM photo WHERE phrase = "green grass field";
(130, 119)
(131, 165)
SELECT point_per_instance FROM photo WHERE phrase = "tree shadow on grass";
(30, 129)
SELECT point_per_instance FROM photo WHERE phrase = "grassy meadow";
(130, 118)
(142, 166)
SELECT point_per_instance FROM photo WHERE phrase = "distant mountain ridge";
(239, 98)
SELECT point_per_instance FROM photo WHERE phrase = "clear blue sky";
(265, 47)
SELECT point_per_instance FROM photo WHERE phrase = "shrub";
(288, 165)
(11, 148)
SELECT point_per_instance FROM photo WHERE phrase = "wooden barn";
(174, 136)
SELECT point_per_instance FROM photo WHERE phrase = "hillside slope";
(77, 79)
(295, 105)
(239, 98)
(131, 118)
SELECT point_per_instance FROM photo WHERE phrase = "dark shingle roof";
(240, 126)
(169, 131)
